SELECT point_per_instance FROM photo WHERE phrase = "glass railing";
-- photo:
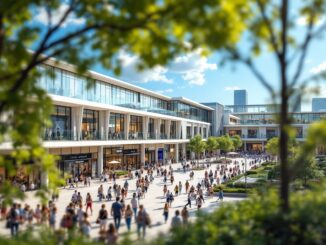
(116, 136)
(151, 136)
(188, 136)
(59, 135)
(173, 136)
(163, 136)
(88, 135)
(135, 135)
(269, 136)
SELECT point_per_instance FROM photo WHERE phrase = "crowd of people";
(126, 206)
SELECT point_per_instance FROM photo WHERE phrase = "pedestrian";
(116, 212)
(187, 186)
(128, 216)
(102, 218)
(176, 221)
(189, 200)
(176, 190)
(53, 218)
(165, 189)
(109, 194)
(112, 235)
(89, 203)
(220, 195)
(13, 220)
(199, 202)
(166, 212)
(185, 215)
(141, 222)
(134, 204)
(180, 187)
(100, 193)
(85, 227)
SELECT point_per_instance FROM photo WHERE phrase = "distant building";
(240, 99)
(217, 122)
(295, 103)
(318, 104)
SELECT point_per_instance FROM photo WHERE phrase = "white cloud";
(42, 16)
(231, 88)
(319, 68)
(130, 72)
(169, 90)
(192, 67)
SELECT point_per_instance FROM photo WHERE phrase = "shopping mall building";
(113, 124)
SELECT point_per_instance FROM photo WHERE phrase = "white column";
(106, 122)
(100, 160)
(178, 129)
(176, 156)
(142, 154)
(262, 132)
(168, 128)
(80, 113)
(157, 127)
(101, 124)
(127, 122)
(145, 127)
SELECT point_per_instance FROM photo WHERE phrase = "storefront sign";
(117, 150)
(160, 154)
(76, 157)
(129, 151)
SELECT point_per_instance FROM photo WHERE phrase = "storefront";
(170, 152)
(77, 161)
(160, 155)
(150, 155)
(255, 147)
(127, 157)
(79, 165)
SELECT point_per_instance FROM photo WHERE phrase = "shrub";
(121, 172)
(251, 172)
(258, 220)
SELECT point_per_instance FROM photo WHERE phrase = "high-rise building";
(295, 103)
(240, 99)
(318, 104)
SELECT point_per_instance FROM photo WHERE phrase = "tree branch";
(304, 51)
(268, 24)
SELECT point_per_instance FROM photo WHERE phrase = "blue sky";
(200, 78)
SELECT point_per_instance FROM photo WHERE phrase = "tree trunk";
(284, 121)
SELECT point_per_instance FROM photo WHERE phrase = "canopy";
(114, 162)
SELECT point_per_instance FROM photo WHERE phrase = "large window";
(162, 129)
(173, 130)
(151, 132)
(61, 124)
(90, 125)
(136, 127)
(116, 126)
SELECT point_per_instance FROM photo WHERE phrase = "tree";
(272, 146)
(237, 142)
(211, 144)
(155, 31)
(271, 27)
(225, 143)
(197, 145)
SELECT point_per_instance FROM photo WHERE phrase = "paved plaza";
(153, 201)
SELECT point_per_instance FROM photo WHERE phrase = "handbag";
(97, 221)
(8, 224)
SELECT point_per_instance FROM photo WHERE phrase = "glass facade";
(61, 124)
(90, 125)
(64, 83)
(162, 129)
(173, 130)
(116, 126)
(191, 112)
(151, 131)
(135, 127)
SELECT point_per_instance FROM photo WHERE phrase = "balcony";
(135, 136)
(89, 135)
(151, 136)
(52, 135)
(116, 136)
(173, 136)
(163, 136)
